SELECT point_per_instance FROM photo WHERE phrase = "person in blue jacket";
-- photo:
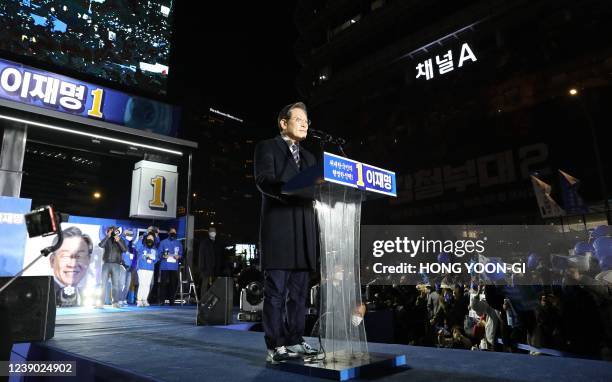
(130, 258)
(155, 231)
(147, 257)
(170, 250)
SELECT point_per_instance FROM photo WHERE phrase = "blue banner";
(14, 237)
(51, 91)
(13, 234)
(337, 169)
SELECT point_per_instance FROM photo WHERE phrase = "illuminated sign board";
(154, 190)
(41, 89)
(445, 63)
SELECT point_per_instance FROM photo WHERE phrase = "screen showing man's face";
(70, 261)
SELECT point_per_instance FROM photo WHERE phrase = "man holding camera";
(112, 260)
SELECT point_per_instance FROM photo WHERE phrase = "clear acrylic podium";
(338, 186)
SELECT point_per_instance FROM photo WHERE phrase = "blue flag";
(572, 202)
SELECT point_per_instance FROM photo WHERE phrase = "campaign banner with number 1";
(47, 90)
(348, 172)
(154, 189)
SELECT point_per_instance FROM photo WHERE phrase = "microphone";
(318, 134)
(325, 137)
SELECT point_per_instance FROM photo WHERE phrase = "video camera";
(44, 221)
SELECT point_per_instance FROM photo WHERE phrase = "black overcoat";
(287, 230)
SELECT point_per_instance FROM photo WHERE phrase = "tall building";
(224, 192)
(464, 100)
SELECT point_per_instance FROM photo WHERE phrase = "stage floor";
(165, 344)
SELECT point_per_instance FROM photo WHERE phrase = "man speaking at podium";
(288, 236)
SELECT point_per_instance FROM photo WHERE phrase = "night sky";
(237, 56)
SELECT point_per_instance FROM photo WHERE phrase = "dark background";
(235, 55)
(250, 59)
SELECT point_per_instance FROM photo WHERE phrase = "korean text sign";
(51, 91)
(355, 174)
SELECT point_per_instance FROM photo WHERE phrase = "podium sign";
(338, 187)
(348, 172)
(154, 190)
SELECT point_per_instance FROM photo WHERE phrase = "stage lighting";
(251, 302)
(250, 284)
(254, 293)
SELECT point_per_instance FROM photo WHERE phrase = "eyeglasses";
(300, 121)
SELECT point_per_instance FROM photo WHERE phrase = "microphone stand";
(324, 138)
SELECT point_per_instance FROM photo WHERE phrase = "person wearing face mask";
(130, 258)
(147, 257)
(170, 250)
(155, 231)
(211, 260)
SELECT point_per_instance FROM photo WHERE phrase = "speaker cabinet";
(215, 307)
(30, 304)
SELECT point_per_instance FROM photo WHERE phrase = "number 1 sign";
(154, 189)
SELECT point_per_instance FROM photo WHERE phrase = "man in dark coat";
(287, 236)
(212, 262)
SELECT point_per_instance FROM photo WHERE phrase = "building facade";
(464, 100)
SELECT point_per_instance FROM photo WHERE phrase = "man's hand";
(360, 310)
(117, 238)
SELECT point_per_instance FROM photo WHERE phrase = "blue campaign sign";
(26, 85)
(341, 170)
(13, 234)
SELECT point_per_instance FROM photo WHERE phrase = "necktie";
(296, 153)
